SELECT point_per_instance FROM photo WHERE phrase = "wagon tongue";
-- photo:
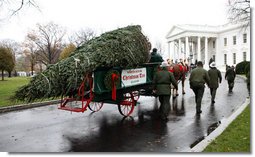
(80, 102)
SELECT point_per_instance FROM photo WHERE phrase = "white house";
(227, 44)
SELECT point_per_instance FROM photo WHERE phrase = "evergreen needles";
(124, 47)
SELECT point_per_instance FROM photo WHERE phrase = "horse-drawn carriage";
(112, 85)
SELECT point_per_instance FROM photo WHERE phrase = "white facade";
(225, 44)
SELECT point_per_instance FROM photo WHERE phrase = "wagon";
(115, 85)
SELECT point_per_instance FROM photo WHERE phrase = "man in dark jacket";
(215, 79)
(230, 76)
(198, 77)
(162, 81)
(155, 57)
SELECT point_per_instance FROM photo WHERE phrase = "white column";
(193, 52)
(187, 47)
(198, 49)
(219, 56)
(179, 48)
(169, 49)
(174, 50)
(206, 66)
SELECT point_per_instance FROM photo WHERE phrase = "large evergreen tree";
(124, 47)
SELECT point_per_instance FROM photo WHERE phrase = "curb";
(27, 106)
(224, 124)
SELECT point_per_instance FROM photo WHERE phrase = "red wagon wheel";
(95, 106)
(126, 107)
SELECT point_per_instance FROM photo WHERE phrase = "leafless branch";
(15, 6)
(239, 11)
(48, 39)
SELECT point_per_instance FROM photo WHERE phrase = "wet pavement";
(47, 129)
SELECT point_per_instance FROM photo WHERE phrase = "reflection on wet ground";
(46, 129)
(129, 134)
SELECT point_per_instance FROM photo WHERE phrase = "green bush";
(247, 68)
(240, 67)
(248, 81)
(244, 68)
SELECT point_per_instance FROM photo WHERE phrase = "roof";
(202, 28)
(177, 29)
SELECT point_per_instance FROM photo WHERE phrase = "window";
(225, 41)
(244, 56)
(244, 38)
(234, 58)
(234, 40)
(213, 43)
(225, 59)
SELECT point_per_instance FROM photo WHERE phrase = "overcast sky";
(155, 16)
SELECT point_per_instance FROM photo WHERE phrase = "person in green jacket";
(162, 87)
(155, 57)
(230, 76)
(215, 79)
(198, 77)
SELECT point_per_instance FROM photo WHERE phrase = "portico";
(187, 44)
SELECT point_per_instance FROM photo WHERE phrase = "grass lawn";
(8, 87)
(236, 138)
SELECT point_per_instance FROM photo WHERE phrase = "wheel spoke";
(95, 106)
(126, 107)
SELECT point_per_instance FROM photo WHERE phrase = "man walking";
(162, 81)
(198, 77)
(230, 76)
(215, 79)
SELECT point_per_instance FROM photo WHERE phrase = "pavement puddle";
(210, 129)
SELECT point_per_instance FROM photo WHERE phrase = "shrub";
(248, 81)
(247, 74)
(240, 67)
(247, 68)
(244, 68)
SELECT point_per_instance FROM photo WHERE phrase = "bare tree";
(239, 11)
(82, 36)
(159, 47)
(31, 52)
(48, 39)
(12, 45)
(13, 7)
(22, 63)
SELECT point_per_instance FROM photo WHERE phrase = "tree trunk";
(15, 73)
(2, 75)
(32, 69)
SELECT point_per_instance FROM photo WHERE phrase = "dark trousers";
(164, 108)
(199, 92)
(230, 85)
(213, 93)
